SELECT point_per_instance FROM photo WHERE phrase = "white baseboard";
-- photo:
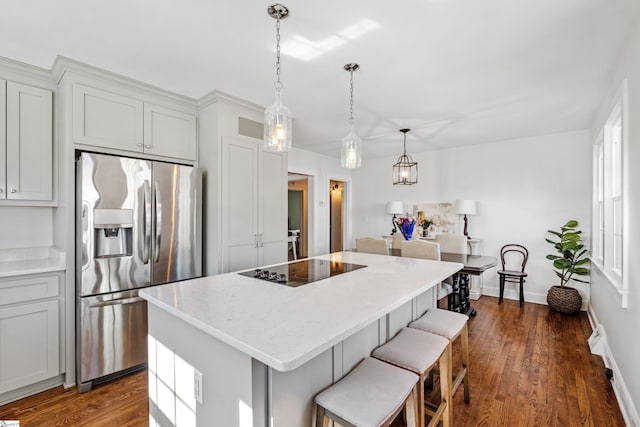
(514, 294)
(628, 409)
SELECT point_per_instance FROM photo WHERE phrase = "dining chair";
(453, 243)
(371, 245)
(426, 250)
(514, 259)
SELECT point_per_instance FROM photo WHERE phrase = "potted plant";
(569, 263)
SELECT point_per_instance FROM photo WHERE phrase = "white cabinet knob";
(148, 145)
(13, 190)
(139, 145)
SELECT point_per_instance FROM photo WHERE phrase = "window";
(608, 197)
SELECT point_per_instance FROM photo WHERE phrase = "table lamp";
(466, 207)
(394, 208)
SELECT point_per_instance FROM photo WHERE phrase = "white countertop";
(284, 327)
(16, 262)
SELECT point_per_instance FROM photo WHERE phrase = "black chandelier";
(405, 170)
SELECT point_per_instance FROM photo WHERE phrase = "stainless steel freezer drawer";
(112, 334)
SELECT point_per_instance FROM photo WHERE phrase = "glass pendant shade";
(351, 153)
(277, 126)
(351, 150)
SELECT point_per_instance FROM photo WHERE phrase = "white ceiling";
(457, 72)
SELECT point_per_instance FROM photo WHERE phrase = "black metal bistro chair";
(507, 255)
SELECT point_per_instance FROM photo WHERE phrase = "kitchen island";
(264, 350)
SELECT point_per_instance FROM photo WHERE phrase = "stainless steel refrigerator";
(139, 225)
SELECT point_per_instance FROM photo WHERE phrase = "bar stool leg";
(464, 341)
(444, 364)
(410, 407)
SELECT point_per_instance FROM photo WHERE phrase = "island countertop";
(284, 327)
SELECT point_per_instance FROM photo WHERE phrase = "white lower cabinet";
(29, 331)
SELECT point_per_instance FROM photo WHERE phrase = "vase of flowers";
(406, 225)
(425, 223)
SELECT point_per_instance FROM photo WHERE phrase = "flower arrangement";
(426, 223)
(406, 224)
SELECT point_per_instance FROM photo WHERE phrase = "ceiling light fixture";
(278, 122)
(351, 145)
(405, 170)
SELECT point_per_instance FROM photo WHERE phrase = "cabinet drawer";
(30, 289)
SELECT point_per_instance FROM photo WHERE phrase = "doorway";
(298, 215)
(336, 209)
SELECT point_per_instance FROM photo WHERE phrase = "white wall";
(321, 169)
(373, 188)
(523, 187)
(620, 325)
(24, 227)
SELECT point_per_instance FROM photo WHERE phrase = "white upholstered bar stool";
(450, 325)
(371, 395)
(420, 352)
(372, 245)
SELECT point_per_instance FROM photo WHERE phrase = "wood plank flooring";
(529, 367)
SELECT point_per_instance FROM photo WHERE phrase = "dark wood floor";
(530, 367)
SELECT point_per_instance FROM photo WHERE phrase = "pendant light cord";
(351, 103)
(278, 83)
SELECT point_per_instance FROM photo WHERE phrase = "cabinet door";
(169, 132)
(239, 231)
(3, 140)
(29, 344)
(272, 208)
(106, 119)
(29, 143)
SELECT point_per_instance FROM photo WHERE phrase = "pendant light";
(405, 170)
(351, 157)
(277, 118)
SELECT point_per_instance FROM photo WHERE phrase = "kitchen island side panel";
(181, 348)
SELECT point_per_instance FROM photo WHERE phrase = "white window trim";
(619, 282)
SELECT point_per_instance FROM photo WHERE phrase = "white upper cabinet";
(169, 132)
(3, 140)
(105, 119)
(110, 120)
(28, 125)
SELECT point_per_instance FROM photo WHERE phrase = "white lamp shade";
(466, 207)
(395, 207)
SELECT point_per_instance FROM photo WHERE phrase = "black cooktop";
(302, 272)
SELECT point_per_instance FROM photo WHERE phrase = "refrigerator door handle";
(121, 301)
(157, 213)
(146, 222)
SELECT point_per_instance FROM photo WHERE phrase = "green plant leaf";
(552, 257)
(580, 280)
(582, 261)
(572, 223)
(554, 233)
(581, 271)
(562, 263)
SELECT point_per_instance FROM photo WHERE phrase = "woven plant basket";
(564, 299)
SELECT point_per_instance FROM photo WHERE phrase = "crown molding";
(217, 96)
(21, 71)
(63, 66)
